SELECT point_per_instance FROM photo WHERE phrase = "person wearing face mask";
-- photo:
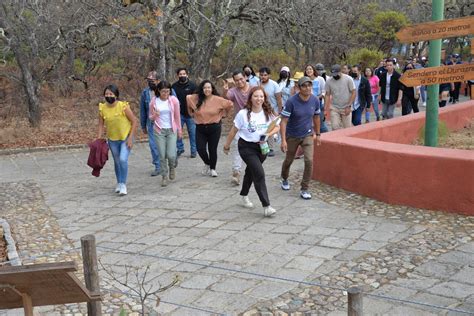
(184, 87)
(145, 122)
(410, 95)
(340, 95)
(208, 108)
(285, 84)
(250, 76)
(363, 97)
(120, 125)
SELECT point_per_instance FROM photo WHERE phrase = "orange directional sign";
(436, 30)
(438, 75)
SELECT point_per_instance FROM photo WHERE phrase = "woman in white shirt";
(252, 124)
(164, 112)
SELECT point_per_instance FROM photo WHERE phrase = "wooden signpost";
(438, 75)
(436, 30)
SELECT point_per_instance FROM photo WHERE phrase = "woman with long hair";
(374, 90)
(410, 96)
(164, 112)
(120, 124)
(319, 90)
(208, 108)
(252, 124)
(286, 85)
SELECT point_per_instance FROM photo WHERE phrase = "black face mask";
(151, 85)
(283, 74)
(247, 72)
(183, 79)
(337, 77)
(110, 100)
(353, 75)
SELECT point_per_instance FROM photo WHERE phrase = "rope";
(287, 280)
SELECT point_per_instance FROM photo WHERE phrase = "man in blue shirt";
(145, 122)
(300, 126)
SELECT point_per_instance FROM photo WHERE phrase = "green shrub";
(365, 57)
(443, 132)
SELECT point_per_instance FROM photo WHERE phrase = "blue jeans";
(120, 153)
(155, 154)
(423, 93)
(191, 127)
(323, 127)
(375, 102)
(357, 116)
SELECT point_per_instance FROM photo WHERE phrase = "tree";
(379, 30)
(39, 34)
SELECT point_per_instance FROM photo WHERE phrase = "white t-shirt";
(165, 113)
(251, 131)
(387, 87)
(271, 89)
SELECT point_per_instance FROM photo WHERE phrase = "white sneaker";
(123, 189)
(246, 202)
(117, 188)
(205, 170)
(268, 211)
(213, 173)
(423, 104)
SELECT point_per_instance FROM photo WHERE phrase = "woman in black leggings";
(252, 124)
(208, 108)
(411, 95)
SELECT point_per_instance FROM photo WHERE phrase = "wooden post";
(91, 272)
(27, 304)
(354, 302)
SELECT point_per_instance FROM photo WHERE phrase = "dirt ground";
(3, 247)
(462, 139)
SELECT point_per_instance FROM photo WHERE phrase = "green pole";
(431, 123)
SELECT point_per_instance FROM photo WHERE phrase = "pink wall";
(376, 160)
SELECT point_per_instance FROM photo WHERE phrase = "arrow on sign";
(438, 75)
(436, 30)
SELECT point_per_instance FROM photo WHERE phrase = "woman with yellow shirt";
(120, 124)
(208, 108)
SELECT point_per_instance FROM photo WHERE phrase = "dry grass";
(65, 121)
(462, 139)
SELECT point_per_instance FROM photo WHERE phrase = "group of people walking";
(289, 112)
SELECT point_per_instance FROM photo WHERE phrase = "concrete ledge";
(377, 160)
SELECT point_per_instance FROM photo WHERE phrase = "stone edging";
(12, 254)
(14, 151)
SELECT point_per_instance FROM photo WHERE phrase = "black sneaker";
(271, 153)
(180, 152)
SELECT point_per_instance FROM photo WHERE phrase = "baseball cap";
(319, 66)
(285, 68)
(303, 80)
(335, 70)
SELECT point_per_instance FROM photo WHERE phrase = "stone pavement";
(337, 239)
